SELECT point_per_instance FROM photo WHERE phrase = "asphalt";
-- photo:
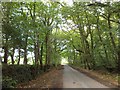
(75, 79)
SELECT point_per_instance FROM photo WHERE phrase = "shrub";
(8, 82)
(14, 74)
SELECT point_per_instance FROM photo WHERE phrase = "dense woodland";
(87, 34)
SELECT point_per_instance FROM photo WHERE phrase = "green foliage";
(92, 44)
(85, 33)
(8, 82)
(14, 74)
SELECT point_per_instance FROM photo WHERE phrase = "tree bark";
(105, 51)
(92, 47)
(112, 38)
(46, 61)
(12, 55)
(19, 52)
(25, 50)
(41, 54)
(6, 51)
(86, 49)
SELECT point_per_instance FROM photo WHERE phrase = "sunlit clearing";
(64, 61)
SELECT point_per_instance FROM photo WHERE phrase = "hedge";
(14, 74)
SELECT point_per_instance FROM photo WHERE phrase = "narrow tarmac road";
(74, 79)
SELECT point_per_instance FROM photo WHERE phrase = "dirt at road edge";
(50, 79)
(97, 77)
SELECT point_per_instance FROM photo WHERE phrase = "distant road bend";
(74, 79)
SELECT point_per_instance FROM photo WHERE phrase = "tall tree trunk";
(25, 56)
(6, 51)
(118, 52)
(25, 50)
(5, 54)
(37, 50)
(49, 52)
(118, 64)
(0, 60)
(85, 65)
(74, 55)
(12, 55)
(112, 38)
(35, 54)
(19, 53)
(36, 43)
(85, 46)
(110, 33)
(8, 7)
(92, 47)
(41, 54)
(46, 61)
(48, 48)
(105, 51)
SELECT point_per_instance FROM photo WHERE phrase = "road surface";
(74, 79)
